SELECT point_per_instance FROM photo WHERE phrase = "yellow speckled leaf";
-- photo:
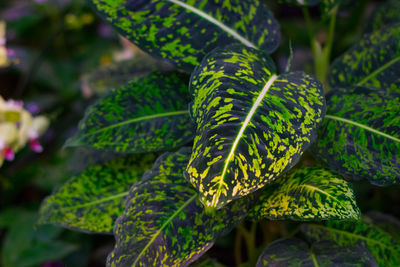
(252, 124)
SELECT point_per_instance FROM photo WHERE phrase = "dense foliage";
(209, 132)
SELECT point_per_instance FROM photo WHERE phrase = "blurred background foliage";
(52, 45)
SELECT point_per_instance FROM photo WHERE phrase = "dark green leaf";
(116, 75)
(309, 193)
(360, 136)
(383, 246)
(148, 115)
(184, 31)
(164, 223)
(373, 62)
(385, 14)
(92, 201)
(295, 252)
(252, 125)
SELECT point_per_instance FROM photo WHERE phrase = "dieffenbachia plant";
(235, 132)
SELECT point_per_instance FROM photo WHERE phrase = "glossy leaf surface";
(373, 62)
(117, 74)
(184, 31)
(92, 201)
(382, 245)
(360, 136)
(252, 125)
(164, 223)
(150, 114)
(386, 14)
(308, 193)
(296, 252)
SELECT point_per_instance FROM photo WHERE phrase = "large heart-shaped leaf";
(92, 201)
(383, 246)
(360, 136)
(309, 193)
(252, 125)
(295, 252)
(386, 13)
(150, 114)
(184, 31)
(373, 62)
(164, 223)
(115, 75)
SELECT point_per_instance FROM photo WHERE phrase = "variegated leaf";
(184, 31)
(115, 75)
(295, 252)
(373, 62)
(382, 245)
(164, 223)
(386, 14)
(150, 114)
(252, 125)
(360, 136)
(92, 201)
(308, 193)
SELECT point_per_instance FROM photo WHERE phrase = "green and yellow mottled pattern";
(360, 136)
(252, 125)
(183, 31)
(373, 62)
(386, 14)
(115, 75)
(296, 252)
(383, 246)
(309, 193)
(92, 201)
(150, 114)
(164, 223)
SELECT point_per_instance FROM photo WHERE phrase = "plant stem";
(250, 239)
(315, 45)
(238, 247)
(328, 47)
(321, 55)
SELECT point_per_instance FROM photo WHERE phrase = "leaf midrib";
(322, 192)
(249, 116)
(351, 234)
(378, 70)
(148, 117)
(91, 203)
(165, 224)
(215, 22)
(365, 127)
